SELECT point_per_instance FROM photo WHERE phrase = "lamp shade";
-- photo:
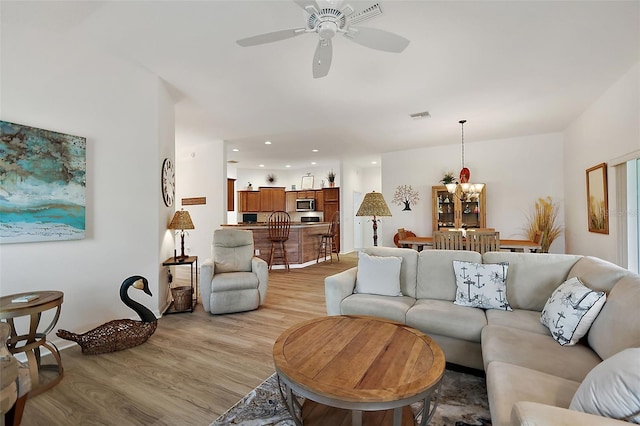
(181, 220)
(373, 204)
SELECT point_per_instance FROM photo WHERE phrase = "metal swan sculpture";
(119, 334)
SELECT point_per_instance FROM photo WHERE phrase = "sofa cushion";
(612, 388)
(508, 384)
(444, 318)
(598, 274)
(393, 308)
(518, 318)
(234, 281)
(378, 275)
(532, 276)
(481, 285)
(436, 278)
(617, 327)
(537, 351)
(408, 269)
(571, 310)
(232, 250)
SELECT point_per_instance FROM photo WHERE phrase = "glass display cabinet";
(458, 210)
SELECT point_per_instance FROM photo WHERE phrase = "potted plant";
(542, 219)
(448, 178)
(331, 177)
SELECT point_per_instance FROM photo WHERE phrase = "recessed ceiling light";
(235, 150)
(374, 162)
(288, 165)
(261, 165)
(313, 162)
(314, 150)
(267, 142)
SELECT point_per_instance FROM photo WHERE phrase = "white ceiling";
(511, 68)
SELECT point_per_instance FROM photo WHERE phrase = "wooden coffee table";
(346, 365)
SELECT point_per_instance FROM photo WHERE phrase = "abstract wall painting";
(42, 185)
(597, 199)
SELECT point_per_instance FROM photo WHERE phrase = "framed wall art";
(307, 182)
(597, 199)
(42, 185)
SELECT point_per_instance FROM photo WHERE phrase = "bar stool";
(328, 240)
(279, 225)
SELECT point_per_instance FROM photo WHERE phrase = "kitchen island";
(302, 245)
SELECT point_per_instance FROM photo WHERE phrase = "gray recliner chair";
(234, 280)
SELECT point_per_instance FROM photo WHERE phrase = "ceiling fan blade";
(306, 3)
(322, 58)
(270, 37)
(375, 38)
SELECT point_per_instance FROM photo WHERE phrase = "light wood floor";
(192, 369)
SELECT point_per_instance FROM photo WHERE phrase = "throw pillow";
(612, 388)
(481, 285)
(378, 275)
(571, 310)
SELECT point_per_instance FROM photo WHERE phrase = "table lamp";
(181, 221)
(374, 205)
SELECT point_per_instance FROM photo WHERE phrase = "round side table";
(31, 342)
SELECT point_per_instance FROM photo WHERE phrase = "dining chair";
(483, 241)
(481, 229)
(448, 240)
(328, 239)
(279, 224)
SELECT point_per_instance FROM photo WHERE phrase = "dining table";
(418, 243)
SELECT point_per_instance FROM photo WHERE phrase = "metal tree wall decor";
(405, 195)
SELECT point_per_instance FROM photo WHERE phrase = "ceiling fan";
(329, 21)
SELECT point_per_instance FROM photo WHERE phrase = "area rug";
(463, 402)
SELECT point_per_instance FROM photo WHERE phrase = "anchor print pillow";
(571, 310)
(481, 285)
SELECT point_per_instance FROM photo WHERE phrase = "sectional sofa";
(533, 374)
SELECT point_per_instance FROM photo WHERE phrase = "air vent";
(366, 14)
(420, 115)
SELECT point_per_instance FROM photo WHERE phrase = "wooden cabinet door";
(231, 187)
(331, 204)
(278, 199)
(319, 201)
(290, 198)
(331, 194)
(272, 199)
(248, 201)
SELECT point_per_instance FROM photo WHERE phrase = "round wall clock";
(168, 182)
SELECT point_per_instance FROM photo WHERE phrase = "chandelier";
(467, 188)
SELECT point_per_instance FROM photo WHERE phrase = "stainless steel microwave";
(305, 205)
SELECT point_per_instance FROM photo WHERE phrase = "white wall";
(610, 128)
(55, 83)
(201, 172)
(516, 171)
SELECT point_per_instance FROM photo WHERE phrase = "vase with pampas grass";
(543, 219)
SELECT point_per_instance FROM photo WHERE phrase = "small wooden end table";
(31, 342)
(358, 364)
(191, 261)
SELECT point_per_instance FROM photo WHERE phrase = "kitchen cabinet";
(249, 201)
(290, 198)
(272, 198)
(330, 205)
(320, 201)
(458, 210)
(311, 195)
(231, 186)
